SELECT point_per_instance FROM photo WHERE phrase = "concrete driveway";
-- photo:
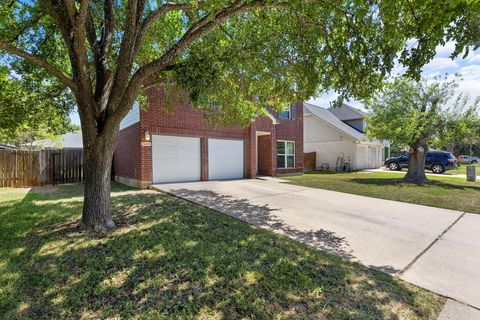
(437, 249)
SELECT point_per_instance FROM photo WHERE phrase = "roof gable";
(330, 119)
(346, 112)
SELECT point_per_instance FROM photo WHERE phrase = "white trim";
(132, 117)
(286, 154)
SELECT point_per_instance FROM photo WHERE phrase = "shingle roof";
(67, 140)
(330, 118)
(346, 112)
(6, 146)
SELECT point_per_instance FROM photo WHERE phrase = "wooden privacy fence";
(310, 161)
(37, 168)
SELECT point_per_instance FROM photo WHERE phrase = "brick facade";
(292, 130)
(126, 160)
(133, 162)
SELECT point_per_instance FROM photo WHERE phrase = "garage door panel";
(225, 159)
(373, 157)
(361, 158)
(175, 158)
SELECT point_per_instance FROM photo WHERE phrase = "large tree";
(237, 54)
(414, 113)
(32, 110)
(461, 131)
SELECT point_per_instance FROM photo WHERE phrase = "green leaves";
(408, 111)
(431, 23)
(271, 53)
(30, 110)
(277, 56)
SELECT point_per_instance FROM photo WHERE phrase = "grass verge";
(462, 169)
(169, 259)
(442, 192)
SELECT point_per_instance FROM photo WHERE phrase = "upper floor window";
(286, 113)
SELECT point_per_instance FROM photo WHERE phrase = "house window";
(286, 113)
(285, 154)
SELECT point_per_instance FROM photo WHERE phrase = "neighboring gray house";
(71, 140)
(7, 146)
(353, 117)
(337, 136)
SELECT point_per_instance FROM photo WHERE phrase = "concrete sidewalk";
(434, 248)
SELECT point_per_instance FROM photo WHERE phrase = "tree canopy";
(414, 113)
(233, 56)
(30, 111)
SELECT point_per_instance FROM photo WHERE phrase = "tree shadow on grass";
(264, 217)
(170, 259)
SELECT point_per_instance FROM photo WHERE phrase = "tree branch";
(71, 24)
(197, 31)
(107, 28)
(40, 62)
(28, 25)
(162, 10)
(127, 53)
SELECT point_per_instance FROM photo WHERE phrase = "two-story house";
(159, 145)
(337, 135)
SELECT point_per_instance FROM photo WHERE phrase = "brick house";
(157, 146)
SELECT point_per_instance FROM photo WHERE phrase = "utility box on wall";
(471, 174)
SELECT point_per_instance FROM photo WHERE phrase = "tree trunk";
(417, 155)
(97, 212)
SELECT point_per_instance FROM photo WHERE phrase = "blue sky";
(469, 68)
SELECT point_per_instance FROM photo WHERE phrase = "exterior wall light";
(147, 135)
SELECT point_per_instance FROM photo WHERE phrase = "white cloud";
(446, 50)
(398, 69)
(74, 117)
(474, 58)
(471, 72)
(470, 82)
(324, 100)
(440, 64)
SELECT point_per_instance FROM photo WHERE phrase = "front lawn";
(462, 169)
(170, 259)
(443, 192)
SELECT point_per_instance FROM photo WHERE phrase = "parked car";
(437, 161)
(468, 159)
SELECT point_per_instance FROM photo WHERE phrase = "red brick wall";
(292, 130)
(127, 153)
(135, 161)
(182, 119)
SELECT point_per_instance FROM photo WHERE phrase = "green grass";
(462, 169)
(442, 192)
(170, 259)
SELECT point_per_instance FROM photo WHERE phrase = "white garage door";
(175, 159)
(225, 159)
(361, 158)
(373, 159)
